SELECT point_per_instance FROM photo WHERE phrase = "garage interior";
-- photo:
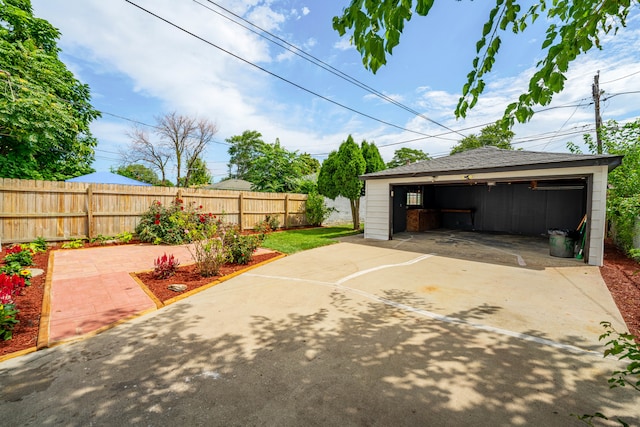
(523, 207)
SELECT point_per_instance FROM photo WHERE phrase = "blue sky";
(139, 68)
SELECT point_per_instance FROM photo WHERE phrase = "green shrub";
(267, 225)
(17, 253)
(622, 346)
(209, 250)
(317, 210)
(73, 244)
(100, 239)
(241, 247)
(8, 320)
(11, 268)
(38, 245)
(124, 237)
(173, 224)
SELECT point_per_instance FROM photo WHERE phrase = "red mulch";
(188, 275)
(621, 274)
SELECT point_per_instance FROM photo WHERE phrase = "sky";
(140, 67)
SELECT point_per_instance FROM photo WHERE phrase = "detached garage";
(493, 190)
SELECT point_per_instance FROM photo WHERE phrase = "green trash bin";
(561, 244)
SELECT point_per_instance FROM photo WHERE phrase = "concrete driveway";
(351, 334)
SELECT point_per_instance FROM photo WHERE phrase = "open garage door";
(527, 208)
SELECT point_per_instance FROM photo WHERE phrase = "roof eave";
(611, 161)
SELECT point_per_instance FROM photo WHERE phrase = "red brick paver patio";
(92, 288)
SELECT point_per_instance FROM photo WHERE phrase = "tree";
(372, 157)
(404, 156)
(182, 140)
(623, 204)
(574, 27)
(243, 151)
(275, 169)
(339, 176)
(138, 172)
(270, 167)
(186, 138)
(141, 149)
(493, 135)
(45, 111)
(199, 173)
(308, 164)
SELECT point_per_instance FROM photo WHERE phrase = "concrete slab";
(349, 334)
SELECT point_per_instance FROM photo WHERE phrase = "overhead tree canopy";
(404, 156)
(493, 135)
(339, 176)
(45, 111)
(573, 27)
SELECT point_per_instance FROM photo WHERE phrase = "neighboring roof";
(232, 184)
(492, 159)
(106, 178)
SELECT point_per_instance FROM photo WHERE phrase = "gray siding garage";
(493, 190)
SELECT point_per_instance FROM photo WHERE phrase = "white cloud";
(305, 11)
(266, 18)
(343, 44)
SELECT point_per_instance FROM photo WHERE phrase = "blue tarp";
(106, 178)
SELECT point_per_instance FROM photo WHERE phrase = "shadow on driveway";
(335, 360)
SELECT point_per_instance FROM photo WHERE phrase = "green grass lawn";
(293, 241)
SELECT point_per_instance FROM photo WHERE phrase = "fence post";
(240, 211)
(286, 211)
(90, 228)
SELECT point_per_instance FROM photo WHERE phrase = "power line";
(618, 94)
(276, 75)
(563, 125)
(318, 62)
(621, 78)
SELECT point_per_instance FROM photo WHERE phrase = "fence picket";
(60, 211)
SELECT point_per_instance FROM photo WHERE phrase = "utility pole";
(595, 91)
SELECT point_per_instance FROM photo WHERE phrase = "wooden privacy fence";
(72, 210)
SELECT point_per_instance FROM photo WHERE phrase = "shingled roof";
(492, 159)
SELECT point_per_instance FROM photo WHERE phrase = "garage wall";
(377, 220)
(513, 208)
(598, 216)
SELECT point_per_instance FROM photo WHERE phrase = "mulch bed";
(29, 302)
(189, 275)
(622, 276)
